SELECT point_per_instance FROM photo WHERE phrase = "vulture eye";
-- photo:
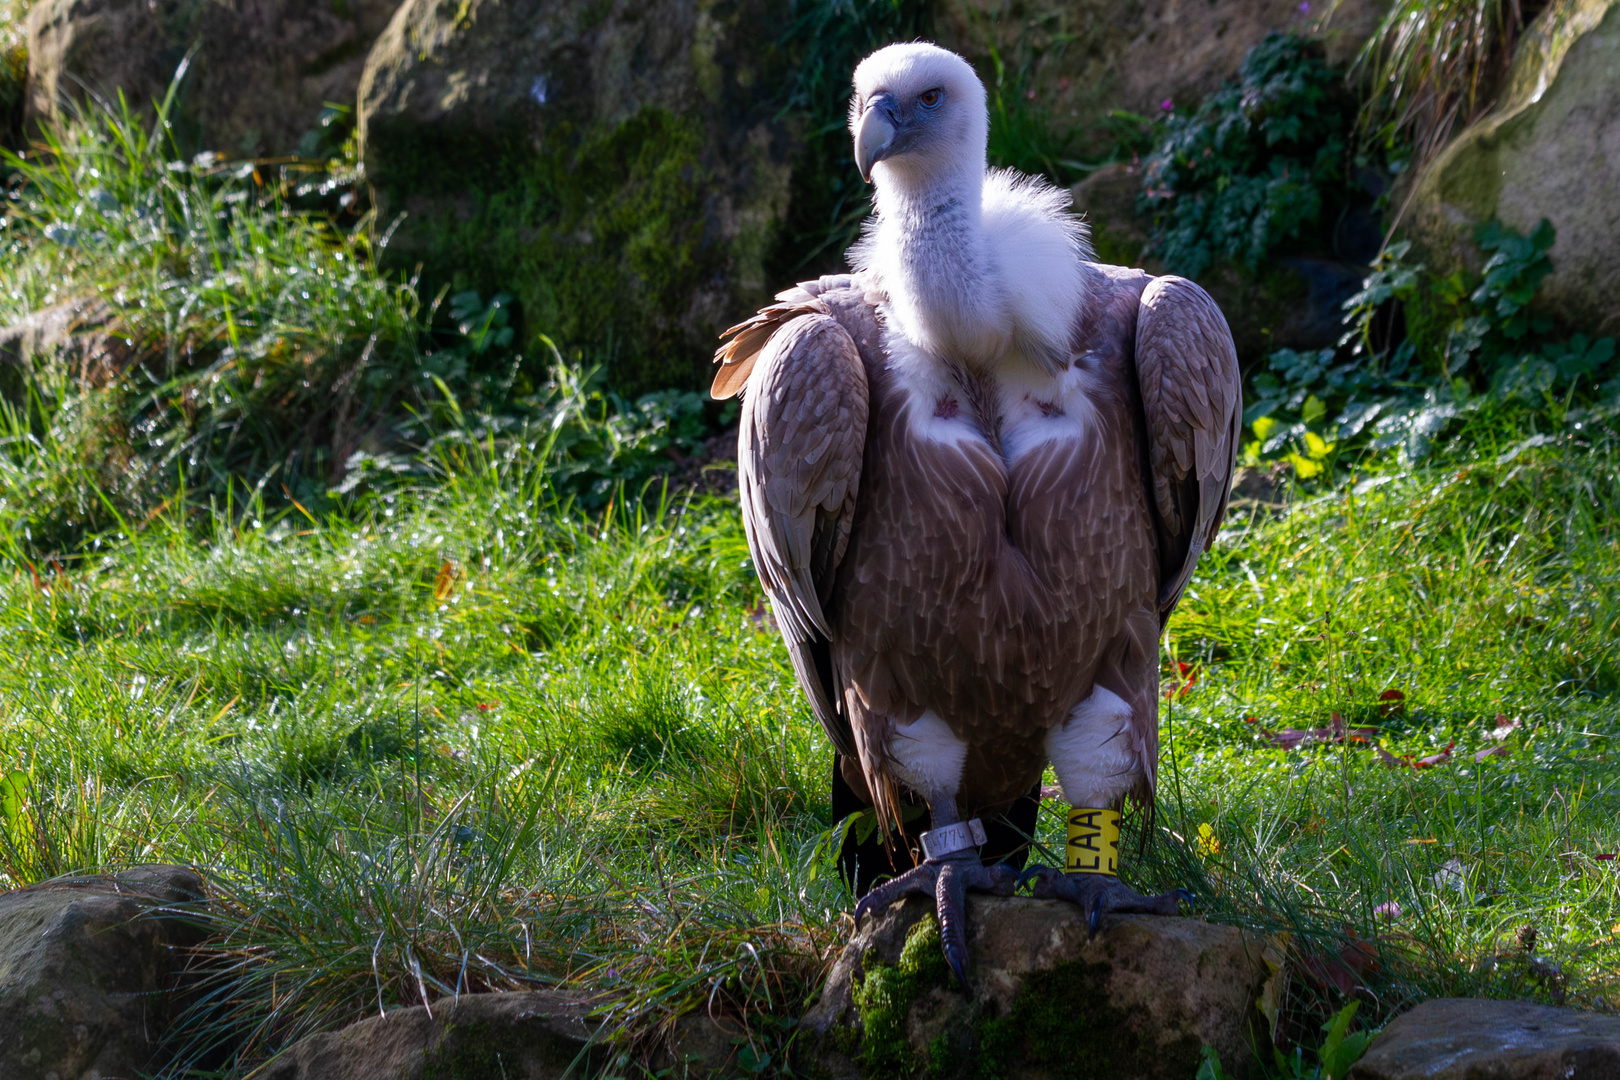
(930, 99)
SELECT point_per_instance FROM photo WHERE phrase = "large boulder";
(1139, 1001)
(1085, 60)
(521, 1035)
(1468, 1039)
(1550, 149)
(528, 1035)
(257, 79)
(86, 964)
(616, 167)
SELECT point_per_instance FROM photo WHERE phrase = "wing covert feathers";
(741, 345)
(799, 451)
(1193, 401)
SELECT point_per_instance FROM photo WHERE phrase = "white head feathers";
(978, 265)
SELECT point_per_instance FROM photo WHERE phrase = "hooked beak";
(874, 135)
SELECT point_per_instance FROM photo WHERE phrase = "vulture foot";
(947, 880)
(1097, 893)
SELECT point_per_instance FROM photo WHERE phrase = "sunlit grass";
(461, 737)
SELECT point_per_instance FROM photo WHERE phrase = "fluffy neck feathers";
(977, 266)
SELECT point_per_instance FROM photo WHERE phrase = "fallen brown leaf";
(1396, 761)
(1335, 732)
(1504, 727)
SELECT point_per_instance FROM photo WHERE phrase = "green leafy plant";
(1254, 167)
(1291, 398)
(1309, 407)
(1340, 1049)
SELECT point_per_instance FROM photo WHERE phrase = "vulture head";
(918, 114)
(979, 265)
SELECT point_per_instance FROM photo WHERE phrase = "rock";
(1549, 149)
(520, 1035)
(1139, 1001)
(525, 1035)
(255, 84)
(701, 1046)
(73, 332)
(1467, 1039)
(617, 168)
(85, 966)
(1090, 58)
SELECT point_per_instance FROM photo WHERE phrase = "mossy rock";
(1550, 149)
(86, 966)
(1086, 59)
(618, 168)
(1140, 1001)
(525, 1035)
(257, 80)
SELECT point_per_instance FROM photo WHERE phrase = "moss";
(601, 239)
(1062, 1024)
(1469, 175)
(13, 94)
(883, 999)
(472, 1056)
(1062, 1019)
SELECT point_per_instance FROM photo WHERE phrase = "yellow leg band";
(1093, 841)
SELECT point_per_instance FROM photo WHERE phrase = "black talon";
(1025, 877)
(1187, 895)
(958, 962)
(950, 896)
(1096, 918)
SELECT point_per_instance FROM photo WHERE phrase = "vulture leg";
(947, 878)
(1091, 754)
(1097, 893)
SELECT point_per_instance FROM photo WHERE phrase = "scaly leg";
(946, 877)
(1090, 753)
(1097, 893)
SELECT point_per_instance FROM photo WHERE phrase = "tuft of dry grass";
(1434, 66)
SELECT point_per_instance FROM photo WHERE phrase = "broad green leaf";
(13, 795)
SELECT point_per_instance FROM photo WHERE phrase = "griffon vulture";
(976, 475)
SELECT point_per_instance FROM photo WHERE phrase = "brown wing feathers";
(741, 345)
(1192, 398)
(799, 451)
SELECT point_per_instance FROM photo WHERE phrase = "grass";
(462, 736)
(235, 335)
(1435, 65)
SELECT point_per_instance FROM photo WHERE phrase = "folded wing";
(799, 451)
(1193, 400)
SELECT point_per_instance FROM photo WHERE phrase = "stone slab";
(1472, 1039)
